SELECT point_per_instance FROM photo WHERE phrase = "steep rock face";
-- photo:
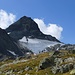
(8, 47)
(25, 26)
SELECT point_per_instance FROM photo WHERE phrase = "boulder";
(46, 62)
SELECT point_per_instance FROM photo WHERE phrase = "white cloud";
(6, 19)
(50, 29)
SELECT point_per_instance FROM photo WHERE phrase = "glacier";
(36, 45)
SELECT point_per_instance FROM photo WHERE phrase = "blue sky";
(60, 12)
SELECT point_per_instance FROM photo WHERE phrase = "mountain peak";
(26, 26)
(25, 18)
(24, 23)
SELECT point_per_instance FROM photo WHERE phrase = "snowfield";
(36, 45)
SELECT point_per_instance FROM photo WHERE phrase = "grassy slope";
(33, 63)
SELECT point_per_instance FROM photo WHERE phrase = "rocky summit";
(25, 26)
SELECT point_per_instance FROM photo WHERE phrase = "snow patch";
(28, 53)
(9, 33)
(29, 40)
(12, 52)
(23, 39)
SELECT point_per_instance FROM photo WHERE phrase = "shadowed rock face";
(7, 45)
(25, 26)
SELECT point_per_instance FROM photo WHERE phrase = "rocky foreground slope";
(61, 62)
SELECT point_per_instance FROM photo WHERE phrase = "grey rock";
(20, 72)
(55, 69)
(9, 72)
(28, 68)
(0, 72)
